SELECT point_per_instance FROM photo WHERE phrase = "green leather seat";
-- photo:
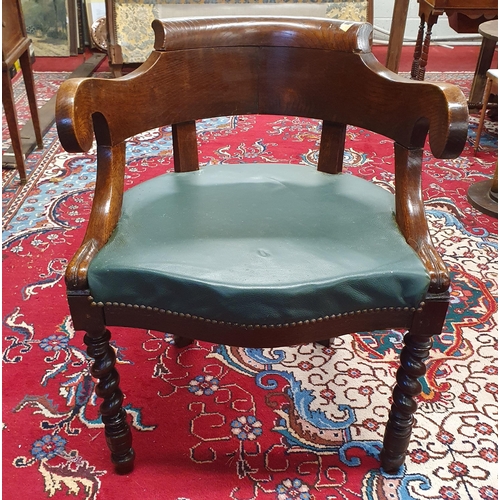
(258, 244)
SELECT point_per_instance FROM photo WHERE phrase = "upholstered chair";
(259, 255)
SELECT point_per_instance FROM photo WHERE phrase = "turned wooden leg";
(117, 430)
(418, 49)
(399, 426)
(422, 63)
(418, 342)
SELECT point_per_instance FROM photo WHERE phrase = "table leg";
(29, 83)
(422, 62)
(483, 65)
(398, 24)
(418, 49)
(10, 115)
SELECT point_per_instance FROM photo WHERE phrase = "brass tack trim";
(255, 326)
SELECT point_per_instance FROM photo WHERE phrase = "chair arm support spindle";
(410, 215)
(106, 209)
(185, 146)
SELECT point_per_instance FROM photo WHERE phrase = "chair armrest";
(410, 216)
(106, 209)
(437, 108)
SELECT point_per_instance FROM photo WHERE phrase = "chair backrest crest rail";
(321, 69)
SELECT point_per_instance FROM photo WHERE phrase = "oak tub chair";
(259, 255)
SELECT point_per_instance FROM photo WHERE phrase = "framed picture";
(47, 26)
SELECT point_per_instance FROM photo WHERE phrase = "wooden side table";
(483, 195)
(15, 45)
(489, 31)
(473, 11)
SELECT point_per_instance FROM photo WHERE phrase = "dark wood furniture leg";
(418, 49)
(422, 62)
(114, 417)
(10, 115)
(418, 341)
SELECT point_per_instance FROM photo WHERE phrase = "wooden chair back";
(321, 69)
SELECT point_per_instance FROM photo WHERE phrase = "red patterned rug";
(214, 422)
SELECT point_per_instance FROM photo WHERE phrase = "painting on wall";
(47, 26)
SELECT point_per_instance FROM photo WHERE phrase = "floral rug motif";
(212, 421)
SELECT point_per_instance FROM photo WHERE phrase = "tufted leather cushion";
(258, 244)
